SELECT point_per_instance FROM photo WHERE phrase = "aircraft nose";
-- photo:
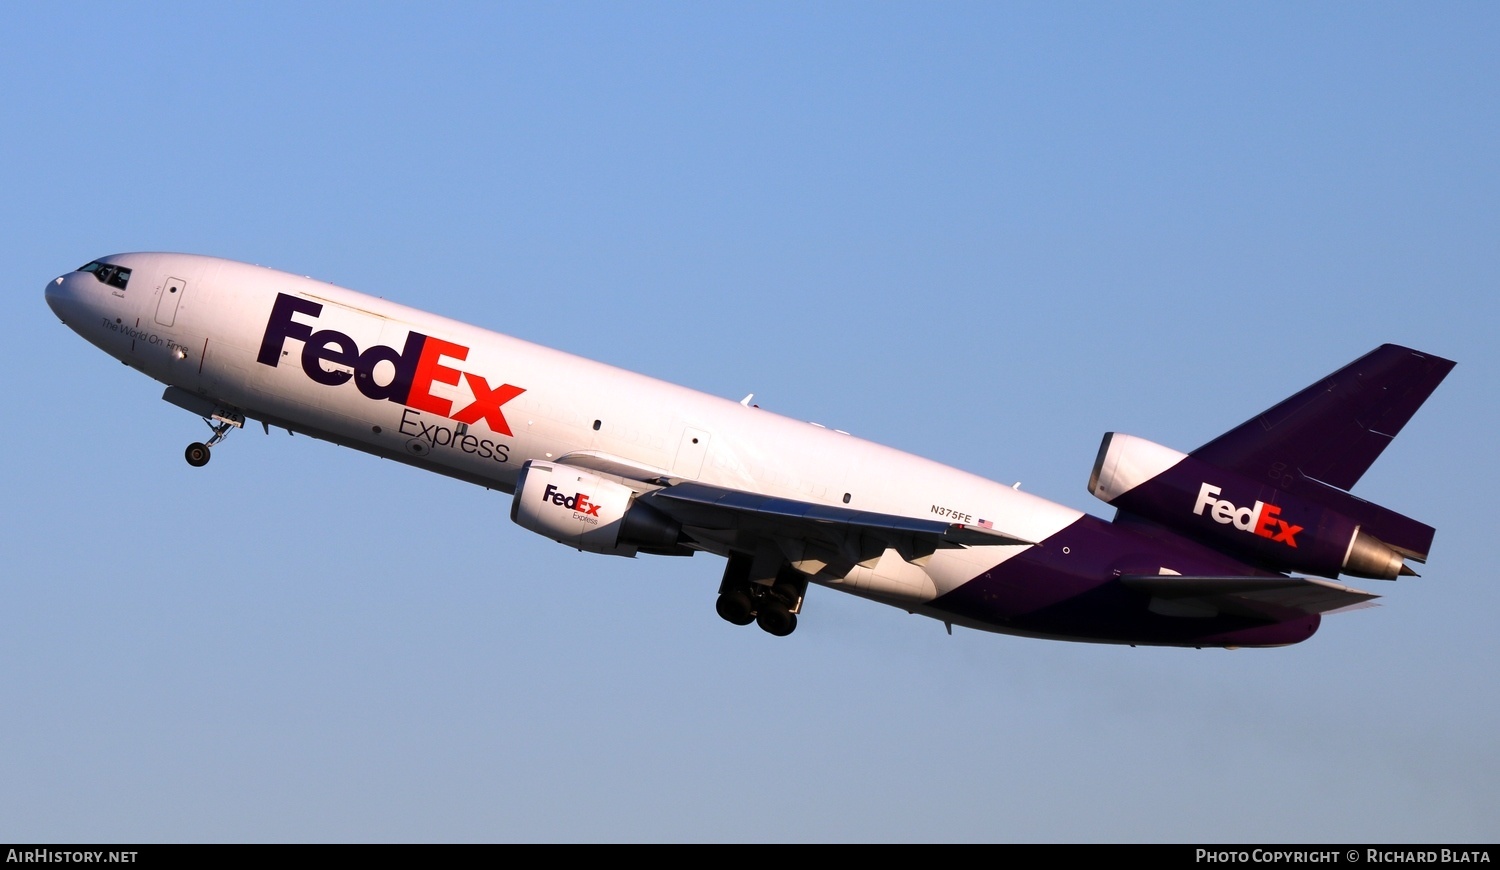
(58, 297)
(72, 297)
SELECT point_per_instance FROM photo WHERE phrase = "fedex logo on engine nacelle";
(1263, 519)
(416, 367)
(577, 503)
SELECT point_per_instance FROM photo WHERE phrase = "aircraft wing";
(1258, 597)
(698, 504)
(741, 518)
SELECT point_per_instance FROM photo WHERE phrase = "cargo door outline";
(171, 295)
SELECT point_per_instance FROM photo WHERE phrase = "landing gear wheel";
(775, 619)
(197, 454)
(735, 607)
(222, 422)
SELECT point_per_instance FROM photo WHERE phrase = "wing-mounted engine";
(1262, 523)
(589, 512)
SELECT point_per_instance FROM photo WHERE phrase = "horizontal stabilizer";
(1257, 597)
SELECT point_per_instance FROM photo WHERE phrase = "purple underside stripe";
(1068, 586)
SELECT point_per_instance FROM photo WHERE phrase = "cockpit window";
(114, 276)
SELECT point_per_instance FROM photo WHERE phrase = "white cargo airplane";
(1200, 552)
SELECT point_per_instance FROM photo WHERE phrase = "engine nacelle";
(1235, 514)
(588, 512)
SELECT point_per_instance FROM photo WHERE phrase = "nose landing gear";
(222, 422)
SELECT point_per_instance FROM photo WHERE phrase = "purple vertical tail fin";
(1318, 443)
(1273, 491)
(1334, 430)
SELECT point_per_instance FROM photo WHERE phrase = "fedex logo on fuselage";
(416, 367)
(1263, 519)
(577, 503)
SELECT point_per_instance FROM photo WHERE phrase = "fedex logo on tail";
(1263, 519)
(416, 367)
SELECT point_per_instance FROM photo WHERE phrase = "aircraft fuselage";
(478, 405)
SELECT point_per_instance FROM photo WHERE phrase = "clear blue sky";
(986, 233)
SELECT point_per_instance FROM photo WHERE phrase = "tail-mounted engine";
(1261, 523)
(589, 512)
